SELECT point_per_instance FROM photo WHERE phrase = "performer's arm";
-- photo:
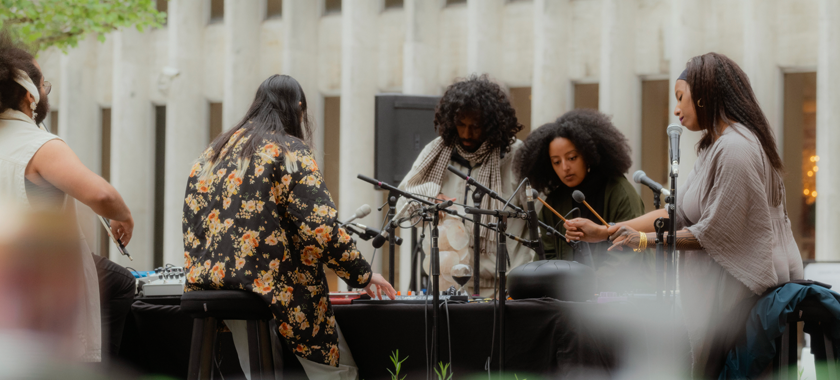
(628, 237)
(586, 230)
(321, 240)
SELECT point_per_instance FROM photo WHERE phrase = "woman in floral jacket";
(258, 217)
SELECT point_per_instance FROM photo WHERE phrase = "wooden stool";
(210, 306)
(812, 311)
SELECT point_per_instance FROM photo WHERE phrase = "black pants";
(116, 294)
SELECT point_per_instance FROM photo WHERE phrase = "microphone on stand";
(640, 177)
(381, 236)
(580, 198)
(361, 212)
(533, 222)
(674, 132)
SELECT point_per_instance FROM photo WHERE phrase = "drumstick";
(579, 198)
(552, 210)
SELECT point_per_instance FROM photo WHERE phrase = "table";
(543, 337)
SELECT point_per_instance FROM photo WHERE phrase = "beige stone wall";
(665, 33)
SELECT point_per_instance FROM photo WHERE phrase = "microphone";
(533, 222)
(640, 177)
(381, 236)
(674, 132)
(578, 196)
(361, 212)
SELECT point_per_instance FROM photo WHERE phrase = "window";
(273, 8)
(455, 2)
(105, 171)
(332, 6)
(332, 148)
(800, 157)
(520, 99)
(215, 121)
(163, 6)
(393, 4)
(217, 10)
(160, 175)
(655, 110)
(586, 95)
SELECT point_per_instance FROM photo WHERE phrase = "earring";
(33, 106)
(588, 169)
(699, 104)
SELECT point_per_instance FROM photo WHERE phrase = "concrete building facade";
(555, 50)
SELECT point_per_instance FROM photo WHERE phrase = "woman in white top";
(732, 224)
(38, 170)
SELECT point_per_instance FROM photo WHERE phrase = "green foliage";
(395, 358)
(62, 23)
(444, 373)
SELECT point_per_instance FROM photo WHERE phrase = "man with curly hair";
(477, 129)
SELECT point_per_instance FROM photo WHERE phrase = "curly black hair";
(14, 56)
(603, 148)
(484, 98)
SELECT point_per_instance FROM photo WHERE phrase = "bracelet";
(642, 242)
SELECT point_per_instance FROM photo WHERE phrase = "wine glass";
(461, 273)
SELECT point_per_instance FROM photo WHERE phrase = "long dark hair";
(279, 109)
(479, 95)
(603, 148)
(14, 56)
(722, 91)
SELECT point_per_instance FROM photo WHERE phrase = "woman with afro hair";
(582, 150)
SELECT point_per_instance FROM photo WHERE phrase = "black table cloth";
(543, 337)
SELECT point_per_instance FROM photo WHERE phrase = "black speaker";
(404, 125)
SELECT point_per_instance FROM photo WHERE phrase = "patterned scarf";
(429, 179)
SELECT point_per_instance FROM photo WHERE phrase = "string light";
(810, 173)
(814, 194)
(816, 158)
(813, 158)
(806, 191)
(816, 169)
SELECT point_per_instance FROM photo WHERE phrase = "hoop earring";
(699, 104)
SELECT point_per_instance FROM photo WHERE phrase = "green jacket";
(617, 270)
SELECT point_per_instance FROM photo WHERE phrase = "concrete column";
(133, 132)
(300, 60)
(620, 92)
(358, 88)
(420, 49)
(242, 51)
(551, 86)
(187, 130)
(484, 36)
(79, 118)
(687, 30)
(760, 61)
(419, 78)
(828, 131)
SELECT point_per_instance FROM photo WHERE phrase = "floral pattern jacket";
(268, 225)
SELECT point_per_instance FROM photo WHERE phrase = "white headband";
(23, 79)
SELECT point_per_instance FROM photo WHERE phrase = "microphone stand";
(392, 242)
(671, 273)
(661, 224)
(501, 263)
(477, 195)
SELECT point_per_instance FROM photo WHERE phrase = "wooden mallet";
(578, 196)
(551, 209)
